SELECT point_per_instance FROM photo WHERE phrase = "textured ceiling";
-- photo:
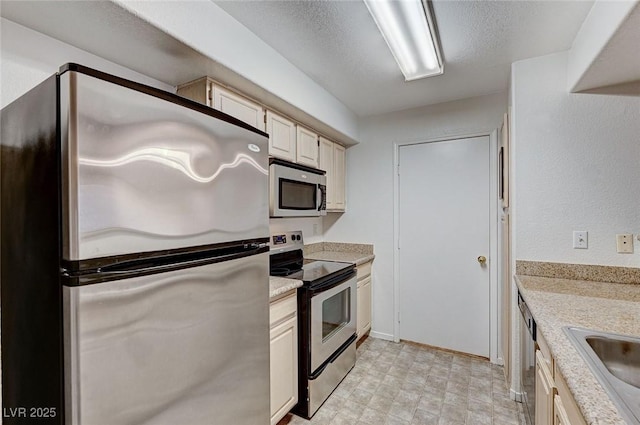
(338, 45)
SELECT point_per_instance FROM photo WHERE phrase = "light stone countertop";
(280, 285)
(345, 257)
(608, 307)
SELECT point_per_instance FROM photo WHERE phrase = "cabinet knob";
(482, 260)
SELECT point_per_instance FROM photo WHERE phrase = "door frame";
(493, 260)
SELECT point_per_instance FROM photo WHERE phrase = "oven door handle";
(333, 282)
(333, 358)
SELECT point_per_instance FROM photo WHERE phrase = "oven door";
(333, 320)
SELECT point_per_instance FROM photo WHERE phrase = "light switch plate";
(624, 243)
(580, 239)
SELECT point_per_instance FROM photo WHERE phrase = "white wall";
(207, 28)
(577, 167)
(607, 36)
(29, 57)
(369, 216)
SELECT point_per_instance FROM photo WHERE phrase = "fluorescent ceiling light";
(410, 32)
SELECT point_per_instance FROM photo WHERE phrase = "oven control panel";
(286, 241)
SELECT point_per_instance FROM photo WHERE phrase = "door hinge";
(265, 117)
(398, 317)
(398, 168)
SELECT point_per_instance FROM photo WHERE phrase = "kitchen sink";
(620, 356)
(615, 361)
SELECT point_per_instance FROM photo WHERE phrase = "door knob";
(482, 260)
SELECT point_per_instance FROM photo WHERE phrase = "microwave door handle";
(322, 198)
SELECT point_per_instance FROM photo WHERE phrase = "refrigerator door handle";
(134, 268)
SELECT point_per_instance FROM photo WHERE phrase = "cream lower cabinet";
(283, 320)
(332, 159)
(560, 416)
(545, 391)
(568, 412)
(363, 320)
(555, 404)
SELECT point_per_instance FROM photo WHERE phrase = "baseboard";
(380, 335)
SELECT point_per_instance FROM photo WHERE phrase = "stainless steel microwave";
(296, 190)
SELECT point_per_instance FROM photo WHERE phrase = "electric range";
(326, 319)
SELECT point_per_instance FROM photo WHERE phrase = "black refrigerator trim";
(145, 267)
(152, 91)
(32, 340)
(160, 256)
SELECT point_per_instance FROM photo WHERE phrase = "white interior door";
(444, 226)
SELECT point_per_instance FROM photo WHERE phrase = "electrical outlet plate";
(580, 239)
(624, 243)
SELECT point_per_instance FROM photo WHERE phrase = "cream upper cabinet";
(239, 107)
(339, 174)
(325, 162)
(207, 91)
(282, 136)
(333, 160)
(307, 147)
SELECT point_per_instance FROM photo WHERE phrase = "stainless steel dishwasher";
(527, 360)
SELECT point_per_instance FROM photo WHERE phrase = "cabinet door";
(326, 164)
(282, 137)
(560, 416)
(198, 90)
(307, 147)
(363, 320)
(339, 173)
(284, 369)
(238, 107)
(545, 391)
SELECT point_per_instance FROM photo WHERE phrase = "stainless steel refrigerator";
(134, 259)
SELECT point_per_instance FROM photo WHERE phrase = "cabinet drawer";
(282, 309)
(364, 270)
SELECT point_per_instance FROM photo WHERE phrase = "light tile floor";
(402, 384)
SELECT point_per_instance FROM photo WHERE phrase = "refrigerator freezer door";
(185, 347)
(140, 173)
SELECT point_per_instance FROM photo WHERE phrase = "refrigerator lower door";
(184, 347)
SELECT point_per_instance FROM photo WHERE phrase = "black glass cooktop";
(313, 271)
